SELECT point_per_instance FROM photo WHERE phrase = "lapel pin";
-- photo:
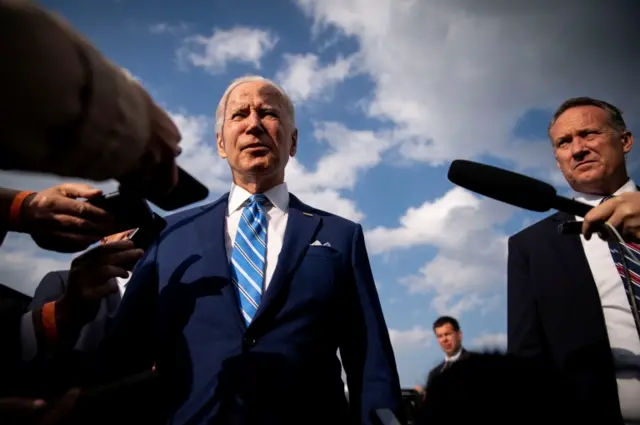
(308, 214)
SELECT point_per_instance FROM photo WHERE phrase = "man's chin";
(259, 166)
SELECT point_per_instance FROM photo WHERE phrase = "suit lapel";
(211, 233)
(574, 266)
(301, 229)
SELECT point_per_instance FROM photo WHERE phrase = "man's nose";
(254, 123)
(578, 149)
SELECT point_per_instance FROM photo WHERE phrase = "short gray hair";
(222, 105)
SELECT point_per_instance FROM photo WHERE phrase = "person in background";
(449, 335)
(54, 287)
(568, 306)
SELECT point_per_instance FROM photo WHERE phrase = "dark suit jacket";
(555, 315)
(283, 368)
(12, 308)
(438, 369)
(52, 286)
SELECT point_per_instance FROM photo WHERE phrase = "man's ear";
(627, 142)
(294, 143)
(220, 143)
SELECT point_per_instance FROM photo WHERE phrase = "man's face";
(449, 339)
(258, 135)
(588, 150)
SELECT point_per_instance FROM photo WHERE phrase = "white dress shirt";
(453, 358)
(621, 328)
(277, 215)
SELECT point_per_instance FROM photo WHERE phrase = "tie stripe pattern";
(633, 267)
(249, 255)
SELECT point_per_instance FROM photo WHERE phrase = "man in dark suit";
(567, 304)
(449, 335)
(244, 302)
(53, 286)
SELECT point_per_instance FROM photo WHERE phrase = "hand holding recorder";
(57, 220)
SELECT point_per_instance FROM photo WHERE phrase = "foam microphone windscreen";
(502, 185)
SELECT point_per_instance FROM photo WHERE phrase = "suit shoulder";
(330, 218)
(435, 368)
(538, 229)
(56, 275)
(186, 216)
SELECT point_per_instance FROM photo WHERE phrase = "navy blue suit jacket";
(555, 315)
(283, 368)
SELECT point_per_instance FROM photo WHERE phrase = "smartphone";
(143, 237)
(187, 191)
(129, 211)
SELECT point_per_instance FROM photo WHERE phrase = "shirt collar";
(455, 357)
(594, 200)
(278, 196)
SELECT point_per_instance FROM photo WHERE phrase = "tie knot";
(258, 198)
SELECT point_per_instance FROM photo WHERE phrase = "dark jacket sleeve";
(11, 312)
(50, 288)
(365, 347)
(524, 330)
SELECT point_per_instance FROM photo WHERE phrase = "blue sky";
(387, 94)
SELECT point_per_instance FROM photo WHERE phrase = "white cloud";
(455, 76)
(166, 28)
(471, 252)
(199, 154)
(451, 80)
(490, 340)
(303, 77)
(349, 155)
(416, 337)
(238, 44)
(23, 264)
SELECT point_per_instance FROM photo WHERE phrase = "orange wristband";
(49, 321)
(16, 209)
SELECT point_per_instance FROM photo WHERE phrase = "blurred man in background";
(449, 335)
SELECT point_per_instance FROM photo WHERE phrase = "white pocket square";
(318, 243)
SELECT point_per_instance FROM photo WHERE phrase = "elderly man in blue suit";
(254, 294)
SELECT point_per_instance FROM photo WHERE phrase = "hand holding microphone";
(622, 212)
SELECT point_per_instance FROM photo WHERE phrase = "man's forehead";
(582, 115)
(447, 328)
(255, 92)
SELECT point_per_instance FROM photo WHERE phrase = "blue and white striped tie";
(249, 255)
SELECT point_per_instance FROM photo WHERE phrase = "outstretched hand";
(57, 220)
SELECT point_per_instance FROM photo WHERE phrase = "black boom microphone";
(512, 188)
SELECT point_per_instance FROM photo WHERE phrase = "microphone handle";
(570, 206)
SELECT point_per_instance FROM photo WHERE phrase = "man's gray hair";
(222, 105)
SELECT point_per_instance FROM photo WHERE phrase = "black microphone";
(514, 189)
